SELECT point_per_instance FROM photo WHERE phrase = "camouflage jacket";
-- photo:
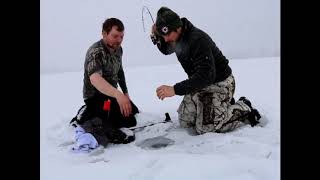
(99, 59)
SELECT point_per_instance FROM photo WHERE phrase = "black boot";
(246, 101)
(254, 114)
(117, 136)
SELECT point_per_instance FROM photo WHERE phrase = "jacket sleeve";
(122, 80)
(93, 62)
(205, 71)
(121, 76)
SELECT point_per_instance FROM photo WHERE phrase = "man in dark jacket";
(208, 103)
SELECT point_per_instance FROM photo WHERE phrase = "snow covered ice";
(247, 32)
(246, 153)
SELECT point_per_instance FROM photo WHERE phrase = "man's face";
(113, 38)
(171, 37)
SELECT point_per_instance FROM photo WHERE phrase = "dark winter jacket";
(200, 58)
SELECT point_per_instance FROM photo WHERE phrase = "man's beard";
(114, 46)
(172, 43)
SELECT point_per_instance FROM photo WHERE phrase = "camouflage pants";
(210, 110)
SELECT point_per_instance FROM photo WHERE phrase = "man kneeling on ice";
(208, 104)
(108, 112)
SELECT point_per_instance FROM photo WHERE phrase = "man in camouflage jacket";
(107, 109)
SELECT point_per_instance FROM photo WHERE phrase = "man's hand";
(104, 87)
(153, 36)
(154, 39)
(127, 94)
(165, 91)
(124, 103)
(153, 29)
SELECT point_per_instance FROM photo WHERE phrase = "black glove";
(154, 39)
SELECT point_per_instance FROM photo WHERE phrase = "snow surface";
(244, 154)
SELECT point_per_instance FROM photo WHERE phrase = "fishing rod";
(145, 8)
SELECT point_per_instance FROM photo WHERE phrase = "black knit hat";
(167, 21)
